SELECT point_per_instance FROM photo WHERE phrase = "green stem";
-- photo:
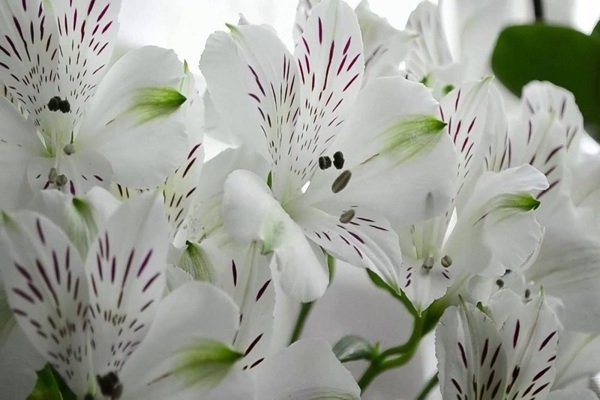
(429, 386)
(301, 321)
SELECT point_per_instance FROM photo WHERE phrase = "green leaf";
(561, 55)
(352, 348)
(46, 387)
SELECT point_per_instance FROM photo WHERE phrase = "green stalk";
(429, 386)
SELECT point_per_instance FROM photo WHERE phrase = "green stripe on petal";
(411, 137)
(196, 262)
(154, 102)
(524, 202)
(206, 363)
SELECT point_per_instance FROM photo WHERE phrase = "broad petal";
(331, 64)
(306, 369)
(135, 107)
(252, 214)
(530, 335)
(253, 83)
(546, 97)
(366, 241)
(573, 361)
(47, 291)
(568, 394)
(193, 313)
(397, 152)
(303, 10)
(244, 274)
(501, 202)
(471, 355)
(126, 273)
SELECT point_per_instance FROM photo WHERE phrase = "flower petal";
(568, 394)
(135, 107)
(47, 291)
(193, 313)
(471, 355)
(252, 214)
(306, 369)
(393, 141)
(573, 361)
(530, 336)
(500, 203)
(366, 240)
(126, 273)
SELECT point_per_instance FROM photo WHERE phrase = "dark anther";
(527, 293)
(324, 162)
(61, 180)
(110, 386)
(446, 261)
(338, 160)
(341, 181)
(57, 104)
(347, 216)
(54, 103)
(428, 263)
(500, 283)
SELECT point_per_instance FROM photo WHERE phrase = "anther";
(69, 149)
(64, 106)
(428, 263)
(324, 162)
(341, 181)
(52, 175)
(61, 180)
(446, 261)
(527, 293)
(338, 160)
(54, 104)
(110, 386)
(500, 283)
(347, 216)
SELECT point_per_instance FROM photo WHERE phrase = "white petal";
(126, 273)
(500, 203)
(568, 394)
(574, 360)
(252, 214)
(135, 107)
(397, 152)
(192, 313)
(306, 369)
(47, 292)
(303, 10)
(471, 355)
(367, 240)
(530, 336)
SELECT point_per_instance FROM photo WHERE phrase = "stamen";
(110, 386)
(338, 160)
(428, 263)
(52, 175)
(446, 261)
(500, 283)
(341, 181)
(527, 293)
(58, 104)
(69, 149)
(324, 162)
(347, 216)
(65, 107)
(61, 180)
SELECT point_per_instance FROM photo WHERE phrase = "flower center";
(110, 386)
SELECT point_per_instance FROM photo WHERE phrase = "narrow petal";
(244, 274)
(203, 313)
(306, 369)
(573, 361)
(135, 107)
(252, 214)
(303, 10)
(365, 240)
(47, 292)
(471, 356)
(530, 336)
(126, 274)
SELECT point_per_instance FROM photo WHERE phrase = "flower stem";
(429, 386)
(301, 321)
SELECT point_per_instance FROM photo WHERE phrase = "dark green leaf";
(561, 55)
(352, 348)
(46, 387)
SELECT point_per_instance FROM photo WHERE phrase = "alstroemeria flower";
(84, 124)
(507, 351)
(305, 116)
(89, 314)
(470, 237)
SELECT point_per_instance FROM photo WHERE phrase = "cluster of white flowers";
(132, 269)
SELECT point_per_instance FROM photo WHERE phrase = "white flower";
(84, 124)
(291, 110)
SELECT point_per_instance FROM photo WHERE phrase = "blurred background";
(352, 304)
